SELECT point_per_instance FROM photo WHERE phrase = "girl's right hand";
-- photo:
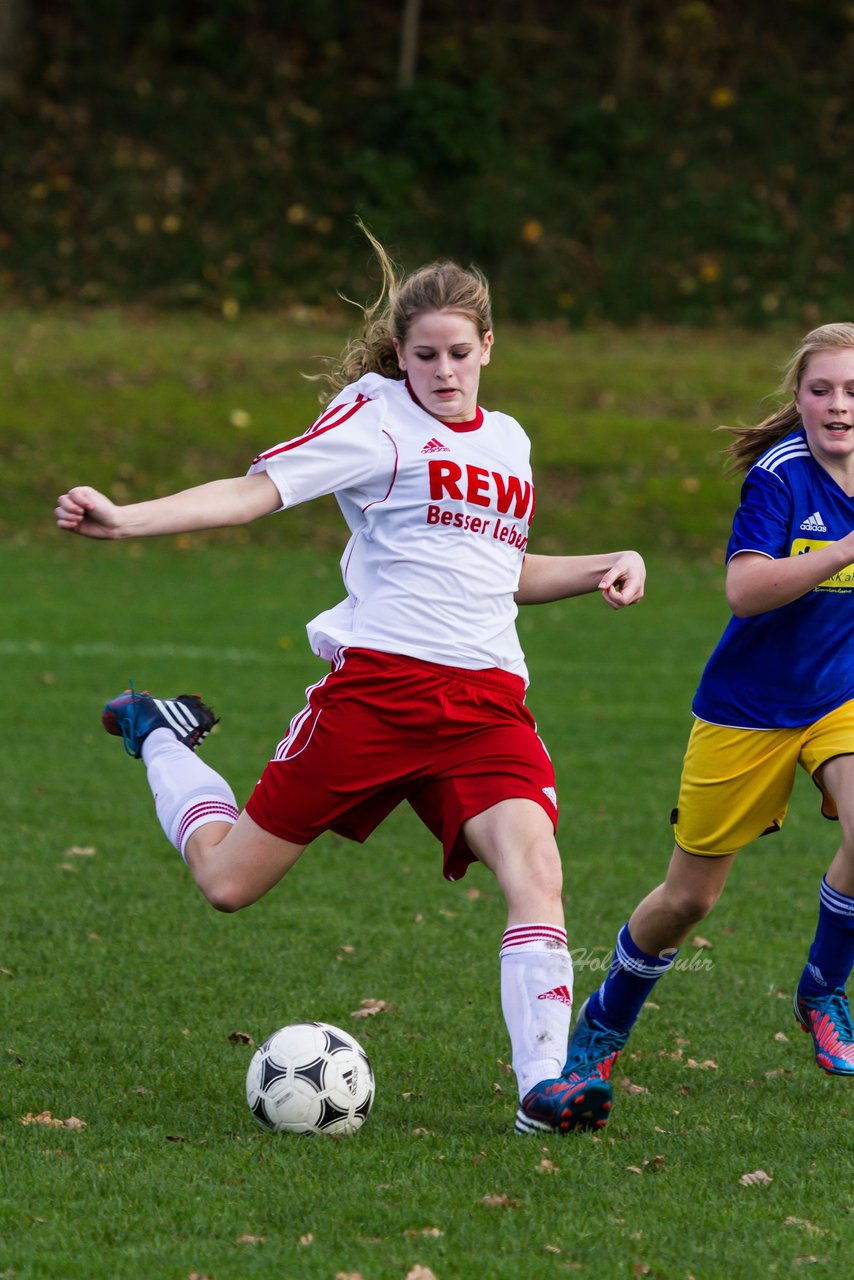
(86, 511)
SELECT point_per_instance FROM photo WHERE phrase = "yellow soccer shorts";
(736, 783)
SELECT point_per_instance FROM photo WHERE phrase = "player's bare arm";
(619, 575)
(215, 505)
(757, 583)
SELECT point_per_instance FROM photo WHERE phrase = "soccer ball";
(310, 1077)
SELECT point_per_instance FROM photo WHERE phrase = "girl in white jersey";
(777, 692)
(424, 699)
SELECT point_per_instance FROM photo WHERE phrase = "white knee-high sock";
(536, 998)
(187, 792)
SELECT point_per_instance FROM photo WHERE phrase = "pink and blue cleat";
(828, 1020)
(132, 716)
(582, 1096)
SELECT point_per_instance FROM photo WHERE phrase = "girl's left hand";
(624, 582)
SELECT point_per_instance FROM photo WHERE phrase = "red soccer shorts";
(380, 729)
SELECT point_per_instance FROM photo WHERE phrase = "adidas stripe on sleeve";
(341, 450)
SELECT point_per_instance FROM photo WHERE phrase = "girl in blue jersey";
(777, 692)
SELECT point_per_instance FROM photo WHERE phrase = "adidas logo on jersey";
(814, 523)
(562, 994)
(550, 794)
(435, 446)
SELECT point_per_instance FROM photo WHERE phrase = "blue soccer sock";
(831, 956)
(631, 978)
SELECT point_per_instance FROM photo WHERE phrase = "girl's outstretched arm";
(619, 575)
(220, 503)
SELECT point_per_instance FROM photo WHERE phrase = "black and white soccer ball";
(310, 1077)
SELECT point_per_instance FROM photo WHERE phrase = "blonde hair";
(749, 443)
(440, 286)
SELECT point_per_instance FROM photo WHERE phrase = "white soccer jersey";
(438, 513)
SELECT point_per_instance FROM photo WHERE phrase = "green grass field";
(122, 990)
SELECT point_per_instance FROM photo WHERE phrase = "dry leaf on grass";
(629, 1087)
(370, 1007)
(653, 1165)
(807, 1226)
(420, 1273)
(81, 851)
(51, 1121)
(499, 1202)
(433, 1232)
(708, 1064)
(241, 1037)
(699, 942)
(759, 1178)
(251, 1240)
(548, 1166)
(307, 1239)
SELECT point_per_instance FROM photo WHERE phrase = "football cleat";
(564, 1104)
(828, 1020)
(593, 1050)
(132, 716)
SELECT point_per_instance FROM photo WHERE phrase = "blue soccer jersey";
(792, 665)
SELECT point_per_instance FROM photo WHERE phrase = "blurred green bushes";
(625, 160)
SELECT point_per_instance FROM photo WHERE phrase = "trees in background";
(16, 47)
(609, 159)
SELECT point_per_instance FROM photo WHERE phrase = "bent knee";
(689, 906)
(226, 897)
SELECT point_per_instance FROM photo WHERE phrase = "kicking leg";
(233, 860)
(236, 864)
